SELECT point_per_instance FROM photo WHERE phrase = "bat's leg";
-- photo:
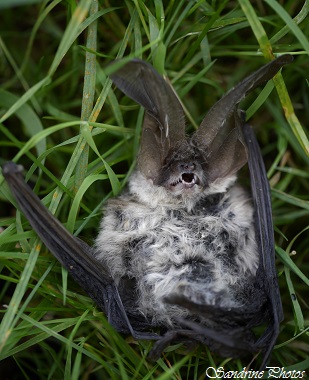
(120, 312)
(233, 342)
(168, 338)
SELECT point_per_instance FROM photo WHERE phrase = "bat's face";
(182, 172)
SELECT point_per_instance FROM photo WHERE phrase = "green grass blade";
(88, 93)
(266, 48)
(290, 23)
(113, 179)
(70, 34)
(303, 13)
(291, 265)
(7, 324)
(88, 181)
(28, 117)
(296, 306)
(24, 98)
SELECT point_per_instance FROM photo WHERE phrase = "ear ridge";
(142, 83)
(230, 156)
(152, 150)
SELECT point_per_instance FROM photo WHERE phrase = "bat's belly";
(207, 254)
(196, 257)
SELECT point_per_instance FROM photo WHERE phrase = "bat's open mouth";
(186, 180)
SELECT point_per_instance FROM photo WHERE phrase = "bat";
(185, 253)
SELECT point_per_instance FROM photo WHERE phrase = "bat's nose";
(188, 166)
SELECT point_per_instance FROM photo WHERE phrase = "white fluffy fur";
(157, 237)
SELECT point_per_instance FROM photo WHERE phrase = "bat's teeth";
(188, 178)
(176, 182)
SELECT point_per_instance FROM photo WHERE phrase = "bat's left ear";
(219, 135)
(164, 123)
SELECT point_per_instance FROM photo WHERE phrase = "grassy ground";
(50, 329)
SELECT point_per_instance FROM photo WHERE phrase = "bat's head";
(216, 151)
(182, 170)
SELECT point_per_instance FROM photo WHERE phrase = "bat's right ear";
(151, 154)
(220, 133)
(164, 123)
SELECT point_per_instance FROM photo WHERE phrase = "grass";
(77, 138)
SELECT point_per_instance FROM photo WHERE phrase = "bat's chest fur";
(208, 254)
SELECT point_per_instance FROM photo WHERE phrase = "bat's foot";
(189, 337)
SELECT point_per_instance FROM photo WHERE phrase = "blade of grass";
(290, 23)
(291, 199)
(42, 135)
(158, 51)
(259, 101)
(26, 303)
(77, 363)
(7, 325)
(291, 265)
(68, 371)
(296, 306)
(112, 176)
(196, 45)
(303, 13)
(88, 94)
(266, 48)
(52, 332)
(28, 117)
(24, 98)
(42, 16)
(172, 371)
(70, 34)
(19, 75)
(88, 181)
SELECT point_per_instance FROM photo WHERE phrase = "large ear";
(164, 124)
(220, 131)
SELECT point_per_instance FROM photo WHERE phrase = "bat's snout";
(187, 167)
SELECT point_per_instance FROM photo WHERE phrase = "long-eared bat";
(184, 249)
